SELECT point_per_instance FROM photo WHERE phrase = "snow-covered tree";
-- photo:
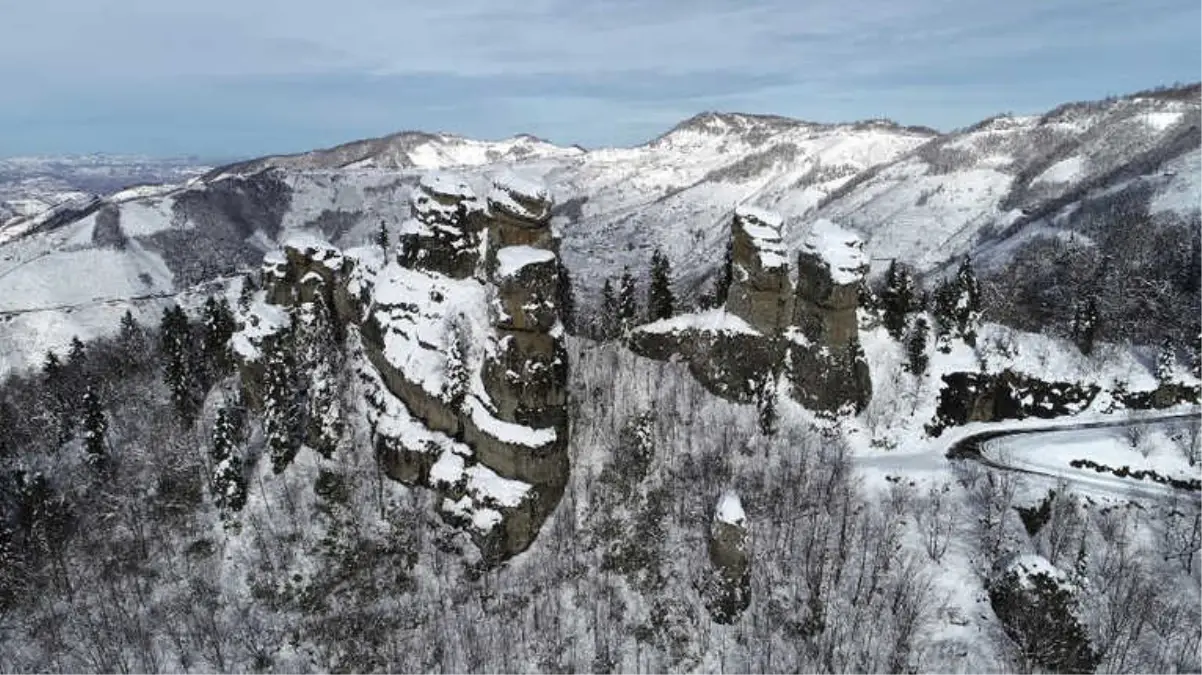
(175, 335)
(130, 335)
(628, 304)
(95, 427)
(1166, 362)
(916, 347)
(282, 402)
(1084, 326)
(968, 303)
(766, 404)
(382, 237)
(897, 299)
(228, 484)
(318, 365)
(456, 383)
(660, 302)
(725, 275)
(217, 328)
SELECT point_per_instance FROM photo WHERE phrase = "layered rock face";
(760, 290)
(827, 365)
(462, 362)
(767, 326)
(728, 591)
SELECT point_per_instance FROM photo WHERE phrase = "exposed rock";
(827, 367)
(107, 230)
(1008, 395)
(728, 591)
(443, 234)
(1038, 607)
(462, 364)
(760, 291)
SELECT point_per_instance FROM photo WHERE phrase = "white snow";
(1160, 121)
(1064, 171)
(508, 432)
(1027, 565)
(766, 217)
(505, 492)
(260, 321)
(511, 259)
(730, 510)
(522, 186)
(448, 184)
(841, 250)
(714, 320)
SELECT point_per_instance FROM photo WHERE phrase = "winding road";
(970, 447)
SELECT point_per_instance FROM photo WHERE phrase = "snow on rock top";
(261, 320)
(521, 186)
(714, 320)
(316, 248)
(446, 184)
(1028, 565)
(511, 259)
(768, 218)
(508, 432)
(730, 510)
(840, 249)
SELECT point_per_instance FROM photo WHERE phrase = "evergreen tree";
(1166, 362)
(1085, 325)
(455, 385)
(77, 356)
(382, 238)
(660, 302)
(246, 293)
(567, 298)
(766, 404)
(968, 305)
(95, 427)
(628, 304)
(282, 409)
(130, 334)
(897, 299)
(916, 347)
(945, 311)
(176, 338)
(52, 368)
(217, 329)
(315, 377)
(609, 311)
(228, 483)
(57, 403)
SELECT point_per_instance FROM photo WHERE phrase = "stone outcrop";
(728, 590)
(1008, 395)
(826, 362)
(1038, 606)
(462, 363)
(760, 290)
(768, 326)
(443, 235)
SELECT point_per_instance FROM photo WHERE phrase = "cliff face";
(768, 326)
(457, 350)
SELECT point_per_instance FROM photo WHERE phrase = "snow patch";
(1064, 171)
(714, 320)
(730, 510)
(511, 259)
(840, 249)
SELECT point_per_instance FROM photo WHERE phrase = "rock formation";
(767, 326)
(827, 365)
(1038, 607)
(728, 591)
(461, 364)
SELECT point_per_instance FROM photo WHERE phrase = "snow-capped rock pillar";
(760, 291)
(728, 591)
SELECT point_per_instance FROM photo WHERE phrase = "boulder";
(1038, 607)
(760, 290)
(728, 590)
(443, 234)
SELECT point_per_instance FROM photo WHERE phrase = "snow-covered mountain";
(31, 185)
(912, 194)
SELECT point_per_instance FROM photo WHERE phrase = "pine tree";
(217, 329)
(897, 299)
(916, 347)
(317, 365)
(77, 356)
(228, 483)
(945, 315)
(57, 403)
(660, 301)
(567, 298)
(766, 404)
(95, 427)
(1166, 362)
(282, 420)
(456, 383)
(628, 304)
(609, 311)
(247, 292)
(1085, 325)
(130, 335)
(176, 338)
(968, 305)
(382, 238)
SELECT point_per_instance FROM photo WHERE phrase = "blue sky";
(230, 78)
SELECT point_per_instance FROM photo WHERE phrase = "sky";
(239, 78)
